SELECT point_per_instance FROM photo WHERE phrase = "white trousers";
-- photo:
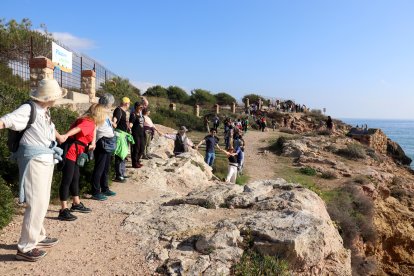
(38, 180)
(232, 174)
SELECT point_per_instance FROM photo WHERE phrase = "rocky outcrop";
(386, 184)
(202, 233)
(397, 153)
(192, 225)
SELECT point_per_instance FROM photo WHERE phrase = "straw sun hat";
(48, 90)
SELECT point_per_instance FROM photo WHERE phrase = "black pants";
(100, 170)
(137, 148)
(70, 180)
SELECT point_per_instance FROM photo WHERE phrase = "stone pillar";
(197, 110)
(260, 104)
(247, 103)
(217, 108)
(88, 85)
(233, 108)
(173, 107)
(40, 68)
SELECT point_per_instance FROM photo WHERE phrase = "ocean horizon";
(398, 130)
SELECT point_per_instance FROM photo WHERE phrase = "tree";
(120, 88)
(15, 40)
(253, 98)
(177, 94)
(224, 99)
(156, 91)
(200, 96)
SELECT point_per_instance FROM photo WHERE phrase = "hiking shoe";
(137, 166)
(31, 256)
(109, 193)
(47, 242)
(125, 176)
(80, 208)
(66, 215)
(120, 179)
(99, 197)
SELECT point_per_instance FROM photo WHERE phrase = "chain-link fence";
(14, 65)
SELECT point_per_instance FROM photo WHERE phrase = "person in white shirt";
(149, 129)
(35, 157)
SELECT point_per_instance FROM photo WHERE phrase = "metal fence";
(42, 46)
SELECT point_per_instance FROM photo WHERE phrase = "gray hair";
(107, 100)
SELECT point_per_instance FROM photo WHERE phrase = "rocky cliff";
(192, 225)
(372, 200)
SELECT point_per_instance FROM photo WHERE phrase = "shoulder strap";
(33, 113)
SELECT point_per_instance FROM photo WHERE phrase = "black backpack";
(14, 137)
(65, 147)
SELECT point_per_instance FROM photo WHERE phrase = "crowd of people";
(97, 135)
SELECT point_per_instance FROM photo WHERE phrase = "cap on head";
(125, 100)
(183, 128)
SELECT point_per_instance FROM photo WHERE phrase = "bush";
(176, 119)
(253, 263)
(352, 151)
(307, 171)
(6, 204)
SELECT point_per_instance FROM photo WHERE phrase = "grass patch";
(242, 179)
(328, 175)
(307, 171)
(253, 263)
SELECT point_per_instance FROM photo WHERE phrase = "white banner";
(61, 58)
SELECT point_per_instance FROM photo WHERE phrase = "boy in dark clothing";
(211, 141)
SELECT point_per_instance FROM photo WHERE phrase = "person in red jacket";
(81, 134)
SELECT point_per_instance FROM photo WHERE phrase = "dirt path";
(94, 244)
(258, 163)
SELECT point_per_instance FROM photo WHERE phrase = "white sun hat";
(48, 90)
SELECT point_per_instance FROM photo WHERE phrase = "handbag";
(108, 144)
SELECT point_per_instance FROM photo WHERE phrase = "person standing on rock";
(181, 141)
(233, 165)
(211, 141)
(35, 158)
(105, 146)
(119, 120)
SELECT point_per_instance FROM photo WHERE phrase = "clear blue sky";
(353, 57)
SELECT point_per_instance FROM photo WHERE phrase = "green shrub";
(242, 179)
(307, 171)
(253, 263)
(352, 151)
(6, 204)
(176, 119)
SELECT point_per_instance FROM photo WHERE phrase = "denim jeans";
(210, 156)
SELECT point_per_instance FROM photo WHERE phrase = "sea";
(400, 131)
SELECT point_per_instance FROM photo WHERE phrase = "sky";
(353, 57)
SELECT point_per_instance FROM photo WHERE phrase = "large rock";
(397, 153)
(201, 233)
